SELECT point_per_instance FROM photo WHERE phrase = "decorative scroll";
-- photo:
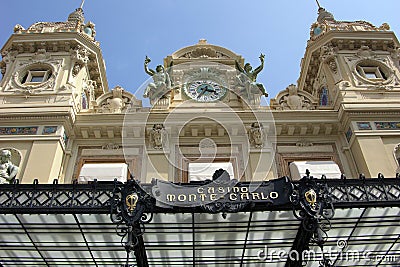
(128, 204)
(312, 205)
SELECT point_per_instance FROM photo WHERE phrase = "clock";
(205, 91)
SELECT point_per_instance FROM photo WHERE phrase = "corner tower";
(51, 71)
(351, 69)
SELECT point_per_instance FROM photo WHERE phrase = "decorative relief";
(18, 130)
(35, 75)
(8, 57)
(304, 143)
(256, 135)
(326, 23)
(395, 54)
(157, 136)
(364, 125)
(365, 53)
(79, 59)
(387, 125)
(371, 69)
(328, 55)
(41, 55)
(204, 52)
(117, 101)
(110, 146)
(292, 99)
(49, 129)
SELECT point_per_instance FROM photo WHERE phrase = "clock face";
(205, 91)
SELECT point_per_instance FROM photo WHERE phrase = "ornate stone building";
(60, 120)
(58, 113)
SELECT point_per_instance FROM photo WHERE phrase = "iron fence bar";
(84, 238)
(65, 198)
(31, 240)
(246, 238)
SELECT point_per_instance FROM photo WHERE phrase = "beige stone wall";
(371, 156)
(43, 162)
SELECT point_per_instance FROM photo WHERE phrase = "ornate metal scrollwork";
(129, 203)
(312, 205)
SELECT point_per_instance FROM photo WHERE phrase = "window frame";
(31, 74)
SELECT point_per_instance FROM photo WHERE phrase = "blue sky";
(128, 30)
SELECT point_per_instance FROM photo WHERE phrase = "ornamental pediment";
(203, 50)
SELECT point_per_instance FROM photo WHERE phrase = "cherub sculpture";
(8, 171)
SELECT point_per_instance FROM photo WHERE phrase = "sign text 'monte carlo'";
(209, 194)
(274, 192)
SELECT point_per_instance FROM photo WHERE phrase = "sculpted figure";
(161, 80)
(256, 135)
(248, 77)
(8, 171)
(157, 136)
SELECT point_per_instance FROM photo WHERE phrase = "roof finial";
(83, 2)
(319, 6)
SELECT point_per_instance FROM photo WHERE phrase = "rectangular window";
(36, 76)
(371, 72)
(317, 168)
(205, 170)
(37, 79)
(103, 172)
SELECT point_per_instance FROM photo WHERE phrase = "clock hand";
(203, 91)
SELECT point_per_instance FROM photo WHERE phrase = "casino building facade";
(205, 175)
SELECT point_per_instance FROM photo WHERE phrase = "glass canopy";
(358, 237)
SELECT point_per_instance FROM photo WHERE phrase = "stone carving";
(204, 52)
(292, 100)
(8, 170)
(89, 86)
(256, 135)
(395, 54)
(117, 101)
(158, 136)
(8, 58)
(79, 58)
(110, 146)
(161, 81)
(18, 28)
(365, 52)
(304, 143)
(397, 157)
(41, 55)
(247, 77)
(327, 55)
(50, 71)
(384, 27)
